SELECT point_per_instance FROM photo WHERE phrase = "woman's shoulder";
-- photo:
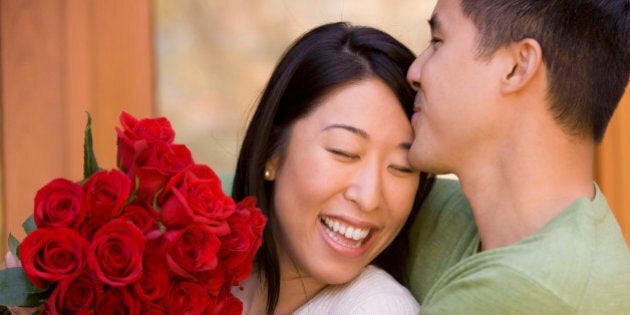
(373, 280)
(374, 291)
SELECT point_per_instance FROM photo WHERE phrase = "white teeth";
(340, 240)
(349, 232)
(354, 233)
(357, 235)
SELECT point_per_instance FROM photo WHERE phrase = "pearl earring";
(267, 175)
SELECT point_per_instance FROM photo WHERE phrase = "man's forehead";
(441, 9)
(446, 12)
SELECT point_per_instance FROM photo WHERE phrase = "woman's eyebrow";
(362, 133)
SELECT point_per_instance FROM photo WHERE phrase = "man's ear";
(271, 168)
(526, 59)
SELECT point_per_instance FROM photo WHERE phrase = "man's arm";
(492, 289)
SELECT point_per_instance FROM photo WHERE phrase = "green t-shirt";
(578, 263)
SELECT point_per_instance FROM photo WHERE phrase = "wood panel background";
(61, 58)
(612, 168)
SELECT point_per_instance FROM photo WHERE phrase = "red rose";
(57, 204)
(87, 228)
(192, 249)
(116, 301)
(49, 255)
(195, 195)
(188, 298)
(145, 218)
(144, 130)
(240, 246)
(115, 253)
(105, 193)
(213, 280)
(247, 209)
(155, 246)
(74, 295)
(155, 164)
(155, 281)
(228, 304)
(152, 309)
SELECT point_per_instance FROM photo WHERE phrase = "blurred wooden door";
(612, 170)
(59, 59)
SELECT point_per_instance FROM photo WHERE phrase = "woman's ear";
(526, 59)
(271, 167)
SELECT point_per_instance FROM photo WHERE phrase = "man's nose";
(414, 73)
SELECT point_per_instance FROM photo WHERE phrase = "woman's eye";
(402, 169)
(344, 154)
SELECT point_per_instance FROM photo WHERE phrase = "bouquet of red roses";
(157, 235)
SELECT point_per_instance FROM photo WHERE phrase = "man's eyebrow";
(362, 133)
(434, 22)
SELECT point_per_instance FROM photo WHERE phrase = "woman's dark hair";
(323, 59)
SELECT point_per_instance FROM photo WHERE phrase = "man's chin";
(418, 156)
(422, 164)
(421, 161)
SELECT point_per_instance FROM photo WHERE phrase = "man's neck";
(516, 193)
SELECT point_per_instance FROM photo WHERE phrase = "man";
(513, 97)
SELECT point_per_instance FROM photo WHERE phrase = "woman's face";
(343, 186)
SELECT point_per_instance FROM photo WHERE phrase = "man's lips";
(417, 112)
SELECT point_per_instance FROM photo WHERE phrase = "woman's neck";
(295, 291)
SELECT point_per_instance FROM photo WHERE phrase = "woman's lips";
(349, 239)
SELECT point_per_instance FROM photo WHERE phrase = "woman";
(326, 156)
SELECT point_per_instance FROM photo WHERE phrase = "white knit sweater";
(374, 291)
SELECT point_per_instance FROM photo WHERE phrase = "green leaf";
(29, 225)
(13, 245)
(17, 290)
(90, 166)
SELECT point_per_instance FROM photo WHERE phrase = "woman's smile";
(345, 234)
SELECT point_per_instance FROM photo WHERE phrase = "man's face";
(455, 108)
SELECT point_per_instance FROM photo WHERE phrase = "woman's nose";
(366, 189)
